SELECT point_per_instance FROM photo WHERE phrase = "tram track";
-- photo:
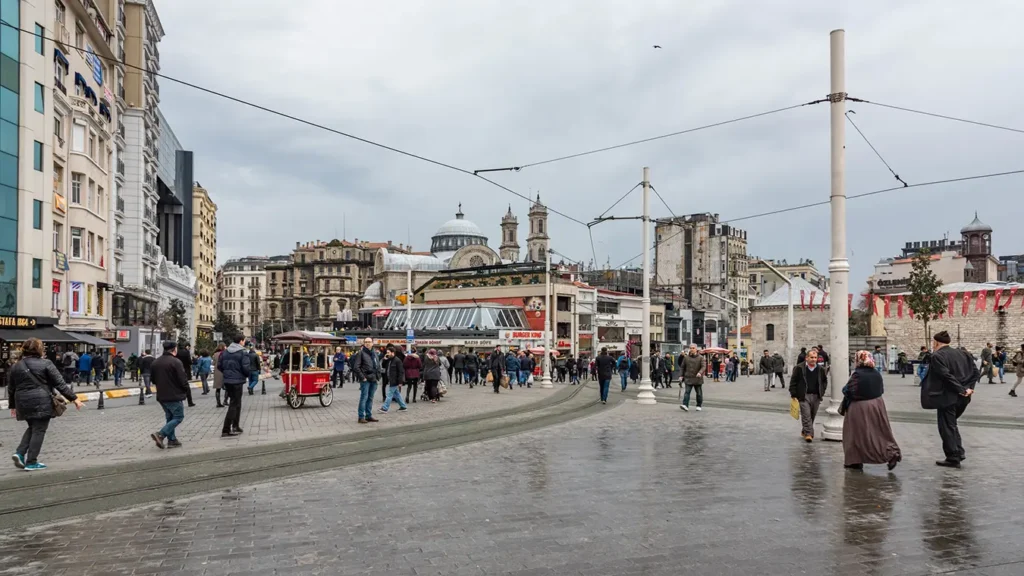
(133, 484)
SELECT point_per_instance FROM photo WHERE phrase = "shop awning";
(59, 57)
(90, 339)
(382, 312)
(48, 334)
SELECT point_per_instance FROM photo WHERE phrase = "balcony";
(120, 279)
(120, 127)
(120, 172)
(119, 243)
(58, 85)
(120, 206)
(61, 35)
(148, 215)
(58, 145)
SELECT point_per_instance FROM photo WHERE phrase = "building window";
(58, 236)
(39, 39)
(79, 37)
(604, 307)
(76, 188)
(92, 145)
(37, 273)
(76, 243)
(37, 214)
(77, 138)
(60, 11)
(89, 242)
(39, 98)
(769, 332)
(58, 126)
(37, 156)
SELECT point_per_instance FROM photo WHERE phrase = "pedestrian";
(413, 365)
(693, 377)
(203, 367)
(867, 434)
(446, 363)
(986, 362)
(133, 366)
(779, 366)
(495, 366)
(146, 367)
(254, 369)
(70, 364)
(807, 385)
(185, 356)
(85, 368)
(670, 368)
(394, 373)
(605, 365)
(99, 367)
(802, 356)
(823, 357)
(338, 368)
(715, 363)
(366, 369)
(901, 362)
(1018, 368)
(947, 389)
(218, 376)
(766, 367)
(32, 383)
(999, 361)
(234, 363)
(119, 367)
(728, 368)
(655, 361)
(634, 370)
(923, 359)
(526, 367)
(471, 368)
(171, 379)
(512, 368)
(622, 364)
(432, 375)
(878, 360)
(459, 368)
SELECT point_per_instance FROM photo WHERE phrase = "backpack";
(69, 361)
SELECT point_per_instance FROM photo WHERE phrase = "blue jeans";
(174, 412)
(625, 377)
(922, 371)
(700, 395)
(86, 376)
(254, 379)
(604, 389)
(118, 375)
(1002, 373)
(366, 392)
(394, 393)
(522, 377)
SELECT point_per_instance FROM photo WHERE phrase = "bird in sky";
(658, 47)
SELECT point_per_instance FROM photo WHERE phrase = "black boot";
(217, 396)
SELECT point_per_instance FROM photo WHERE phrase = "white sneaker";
(685, 409)
(698, 408)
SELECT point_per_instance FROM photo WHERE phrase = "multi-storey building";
(764, 282)
(174, 178)
(697, 253)
(204, 258)
(242, 292)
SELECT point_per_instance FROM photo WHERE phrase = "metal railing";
(119, 243)
(59, 85)
(61, 34)
(120, 279)
(120, 170)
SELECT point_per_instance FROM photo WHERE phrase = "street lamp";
(545, 378)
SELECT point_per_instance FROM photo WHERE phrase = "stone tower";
(537, 241)
(509, 249)
(977, 247)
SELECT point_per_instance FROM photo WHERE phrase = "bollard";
(99, 403)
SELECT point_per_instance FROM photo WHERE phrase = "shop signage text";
(522, 335)
(17, 322)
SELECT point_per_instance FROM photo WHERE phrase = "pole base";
(833, 423)
(646, 393)
(545, 382)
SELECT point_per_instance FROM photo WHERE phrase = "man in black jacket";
(807, 385)
(767, 368)
(459, 367)
(605, 367)
(366, 370)
(171, 385)
(496, 364)
(234, 364)
(146, 367)
(947, 389)
(185, 355)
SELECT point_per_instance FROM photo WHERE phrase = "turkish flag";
(966, 307)
(952, 302)
(910, 310)
(888, 303)
(823, 297)
(999, 293)
(1009, 299)
(899, 306)
(802, 305)
(849, 304)
(980, 306)
(812, 300)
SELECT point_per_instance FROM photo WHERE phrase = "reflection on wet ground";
(639, 490)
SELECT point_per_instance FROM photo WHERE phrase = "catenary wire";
(853, 197)
(667, 207)
(936, 115)
(669, 135)
(297, 119)
(873, 149)
(628, 192)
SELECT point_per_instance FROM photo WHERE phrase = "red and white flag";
(999, 294)
(899, 306)
(812, 300)
(823, 297)
(888, 304)
(802, 304)
(982, 296)
(1009, 299)
(849, 304)
(966, 307)
(952, 302)
(910, 310)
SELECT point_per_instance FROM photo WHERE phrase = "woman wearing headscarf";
(867, 435)
(432, 375)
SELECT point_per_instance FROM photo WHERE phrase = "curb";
(123, 392)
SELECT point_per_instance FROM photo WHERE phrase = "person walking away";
(146, 368)
(31, 385)
(924, 358)
(394, 376)
(203, 367)
(779, 367)
(986, 362)
(716, 362)
(728, 368)
(446, 363)
(133, 367)
(867, 435)
(432, 375)
(234, 363)
(366, 369)
(605, 365)
(119, 367)
(413, 371)
(512, 368)
(526, 368)
(807, 385)
(185, 356)
(495, 365)
(99, 367)
(999, 361)
(951, 375)
(470, 369)
(634, 370)
(70, 364)
(693, 377)
(878, 360)
(85, 368)
(459, 365)
(171, 379)
(254, 369)
(1018, 368)
(218, 376)
(622, 365)
(901, 361)
(766, 367)
(338, 368)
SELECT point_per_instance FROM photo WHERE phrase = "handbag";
(794, 408)
(504, 381)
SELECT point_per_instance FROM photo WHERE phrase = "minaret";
(537, 241)
(509, 242)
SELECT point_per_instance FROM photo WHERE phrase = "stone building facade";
(769, 320)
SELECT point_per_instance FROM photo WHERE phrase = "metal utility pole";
(790, 360)
(838, 266)
(545, 378)
(646, 395)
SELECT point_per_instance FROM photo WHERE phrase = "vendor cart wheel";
(302, 400)
(293, 398)
(326, 395)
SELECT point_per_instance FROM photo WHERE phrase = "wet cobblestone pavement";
(638, 490)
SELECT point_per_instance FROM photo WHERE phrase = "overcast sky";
(481, 83)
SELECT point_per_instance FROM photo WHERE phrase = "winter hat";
(942, 337)
(170, 345)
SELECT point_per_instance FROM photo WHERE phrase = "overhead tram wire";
(667, 207)
(936, 115)
(294, 119)
(873, 149)
(852, 197)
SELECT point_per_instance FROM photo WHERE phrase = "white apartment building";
(619, 321)
(242, 292)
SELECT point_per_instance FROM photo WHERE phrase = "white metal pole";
(646, 395)
(545, 378)
(839, 266)
(408, 299)
(790, 359)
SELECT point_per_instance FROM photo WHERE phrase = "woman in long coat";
(218, 376)
(867, 435)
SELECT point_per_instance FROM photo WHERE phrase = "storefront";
(14, 330)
